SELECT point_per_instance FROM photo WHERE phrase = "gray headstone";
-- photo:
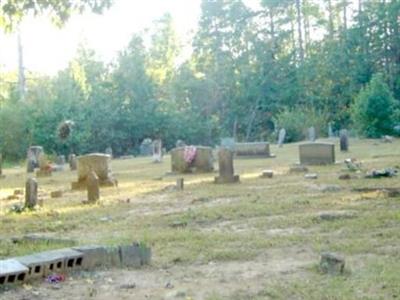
(281, 137)
(330, 131)
(180, 184)
(226, 171)
(93, 190)
(146, 147)
(33, 156)
(332, 263)
(157, 151)
(344, 140)
(311, 134)
(31, 189)
(60, 160)
(72, 162)
(109, 151)
(317, 153)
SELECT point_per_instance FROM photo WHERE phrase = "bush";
(297, 120)
(373, 111)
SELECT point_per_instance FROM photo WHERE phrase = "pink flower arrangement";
(189, 154)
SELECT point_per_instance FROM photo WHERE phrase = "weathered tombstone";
(98, 163)
(344, 140)
(332, 263)
(192, 159)
(317, 153)
(180, 143)
(226, 171)
(157, 151)
(109, 151)
(146, 147)
(281, 137)
(311, 134)
(60, 160)
(228, 143)
(33, 155)
(72, 162)
(330, 131)
(256, 149)
(93, 190)
(180, 184)
(31, 191)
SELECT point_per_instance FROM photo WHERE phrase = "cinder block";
(130, 256)
(12, 271)
(93, 256)
(113, 257)
(54, 261)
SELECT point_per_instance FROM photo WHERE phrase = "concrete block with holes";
(93, 256)
(12, 271)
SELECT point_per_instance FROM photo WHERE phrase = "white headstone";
(157, 151)
(281, 137)
(311, 134)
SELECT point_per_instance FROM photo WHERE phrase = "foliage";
(297, 120)
(374, 108)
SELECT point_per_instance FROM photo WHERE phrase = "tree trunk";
(299, 30)
(21, 74)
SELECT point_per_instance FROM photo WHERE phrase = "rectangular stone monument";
(72, 162)
(281, 137)
(33, 156)
(311, 134)
(93, 190)
(202, 162)
(31, 190)
(226, 171)
(157, 151)
(256, 149)
(344, 140)
(317, 153)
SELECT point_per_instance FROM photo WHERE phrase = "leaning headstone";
(72, 162)
(317, 153)
(192, 159)
(332, 263)
(228, 143)
(93, 190)
(344, 140)
(31, 193)
(281, 137)
(33, 155)
(226, 171)
(311, 134)
(100, 164)
(157, 151)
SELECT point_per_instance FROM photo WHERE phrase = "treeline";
(288, 63)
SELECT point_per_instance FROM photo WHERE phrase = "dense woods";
(251, 71)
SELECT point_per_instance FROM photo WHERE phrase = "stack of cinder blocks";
(39, 265)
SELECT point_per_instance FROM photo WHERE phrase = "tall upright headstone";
(226, 170)
(344, 140)
(311, 134)
(31, 191)
(72, 162)
(93, 189)
(330, 131)
(1, 162)
(157, 151)
(281, 137)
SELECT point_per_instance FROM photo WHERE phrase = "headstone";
(311, 134)
(257, 149)
(344, 140)
(93, 190)
(281, 137)
(33, 155)
(267, 174)
(192, 159)
(146, 147)
(226, 171)
(317, 153)
(332, 263)
(72, 162)
(31, 193)
(228, 143)
(98, 163)
(109, 151)
(330, 131)
(45, 168)
(180, 184)
(1, 162)
(60, 160)
(180, 143)
(157, 151)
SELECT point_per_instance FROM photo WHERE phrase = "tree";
(13, 11)
(374, 108)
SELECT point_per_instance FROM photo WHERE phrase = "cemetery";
(272, 225)
(199, 149)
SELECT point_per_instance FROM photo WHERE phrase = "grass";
(234, 223)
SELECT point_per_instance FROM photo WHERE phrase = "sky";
(48, 49)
